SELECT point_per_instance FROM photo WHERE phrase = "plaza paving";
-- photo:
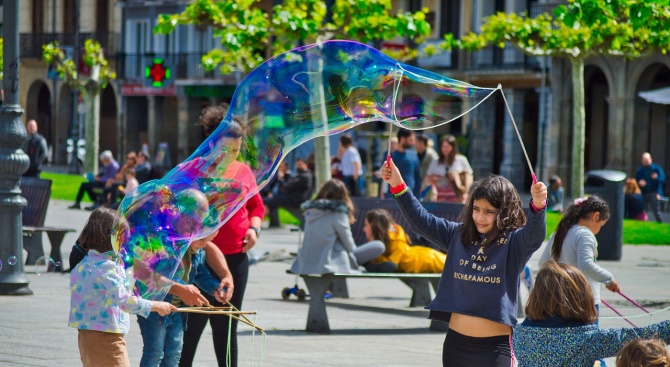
(373, 328)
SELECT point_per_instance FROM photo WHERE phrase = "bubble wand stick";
(523, 147)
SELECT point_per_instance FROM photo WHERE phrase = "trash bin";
(609, 186)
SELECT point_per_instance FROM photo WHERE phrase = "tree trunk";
(578, 127)
(91, 96)
(322, 142)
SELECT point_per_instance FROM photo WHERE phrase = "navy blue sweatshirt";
(476, 281)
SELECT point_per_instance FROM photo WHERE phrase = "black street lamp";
(13, 161)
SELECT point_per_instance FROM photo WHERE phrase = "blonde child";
(644, 353)
(100, 296)
(487, 250)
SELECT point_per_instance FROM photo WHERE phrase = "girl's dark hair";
(561, 290)
(381, 223)
(336, 190)
(502, 195)
(97, 233)
(643, 352)
(346, 140)
(572, 215)
(451, 140)
(211, 117)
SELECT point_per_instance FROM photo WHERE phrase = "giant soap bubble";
(311, 91)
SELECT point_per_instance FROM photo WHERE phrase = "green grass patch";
(635, 232)
(64, 186)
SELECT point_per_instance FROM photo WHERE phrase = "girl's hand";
(163, 308)
(539, 192)
(249, 240)
(614, 286)
(391, 174)
(226, 288)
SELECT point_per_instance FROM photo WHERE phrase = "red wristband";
(535, 208)
(398, 189)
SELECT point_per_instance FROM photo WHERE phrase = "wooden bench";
(37, 193)
(317, 319)
(318, 285)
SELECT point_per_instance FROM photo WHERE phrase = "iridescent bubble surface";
(311, 91)
(12, 260)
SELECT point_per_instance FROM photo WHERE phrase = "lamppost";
(13, 161)
(76, 122)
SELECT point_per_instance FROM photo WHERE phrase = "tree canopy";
(246, 31)
(578, 30)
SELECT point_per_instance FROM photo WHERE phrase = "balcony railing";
(31, 44)
(537, 9)
(182, 66)
(505, 58)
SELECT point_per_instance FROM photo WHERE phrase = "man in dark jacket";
(36, 149)
(293, 192)
(651, 178)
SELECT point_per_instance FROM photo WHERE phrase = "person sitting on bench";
(380, 226)
(328, 245)
(107, 172)
(291, 194)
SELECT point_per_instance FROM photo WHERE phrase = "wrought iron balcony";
(31, 44)
(505, 58)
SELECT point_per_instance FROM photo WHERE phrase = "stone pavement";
(373, 328)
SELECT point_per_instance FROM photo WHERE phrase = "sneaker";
(74, 206)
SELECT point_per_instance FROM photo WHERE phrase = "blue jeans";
(163, 339)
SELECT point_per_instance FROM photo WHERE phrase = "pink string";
(617, 312)
(633, 302)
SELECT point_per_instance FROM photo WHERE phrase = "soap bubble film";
(311, 91)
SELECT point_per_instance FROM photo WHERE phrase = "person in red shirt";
(237, 236)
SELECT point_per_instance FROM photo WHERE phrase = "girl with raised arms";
(487, 251)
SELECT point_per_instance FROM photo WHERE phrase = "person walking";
(36, 149)
(407, 161)
(650, 177)
(352, 167)
(426, 154)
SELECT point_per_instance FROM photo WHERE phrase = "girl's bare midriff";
(477, 327)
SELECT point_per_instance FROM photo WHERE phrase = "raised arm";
(436, 230)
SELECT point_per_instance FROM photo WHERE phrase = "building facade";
(50, 102)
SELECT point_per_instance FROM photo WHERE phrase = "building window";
(38, 17)
(68, 16)
(102, 16)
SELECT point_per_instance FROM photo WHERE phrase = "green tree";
(247, 32)
(577, 31)
(89, 86)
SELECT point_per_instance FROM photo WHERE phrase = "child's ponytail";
(582, 208)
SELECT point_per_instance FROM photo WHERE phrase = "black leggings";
(466, 351)
(195, 324)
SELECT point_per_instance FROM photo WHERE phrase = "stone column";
(151, 122)
(182, 126)
(514, 164)
(13, 162)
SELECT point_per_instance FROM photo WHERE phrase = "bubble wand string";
(523, 147)
(617, 312)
